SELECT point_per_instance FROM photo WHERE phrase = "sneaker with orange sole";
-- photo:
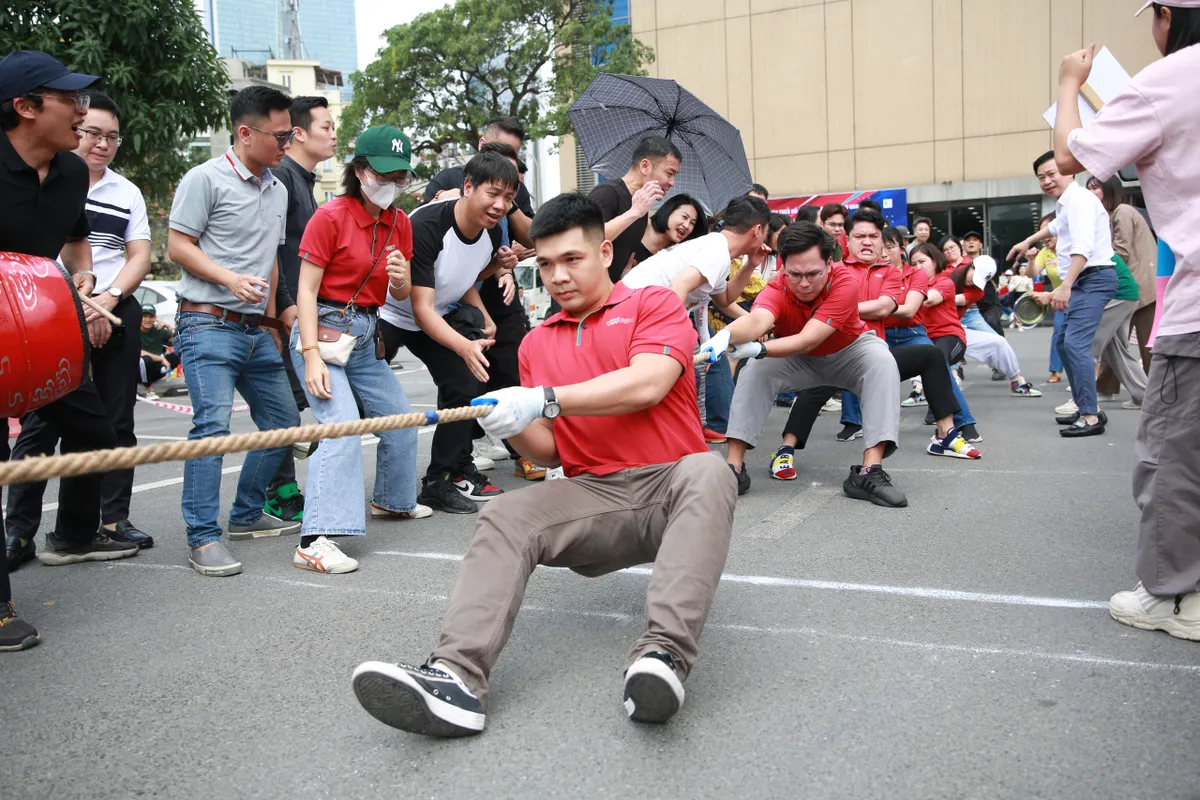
(712, 437)
(524, 468)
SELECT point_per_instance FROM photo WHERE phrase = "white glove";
(716, 346)
(515, 410)
(747, 350)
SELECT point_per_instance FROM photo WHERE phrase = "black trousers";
(450, 451)
(5, 586)
(952, 347)
(154, 369)
(912, 360)
(115, 375)
(504, 370)
(287, 468)
(993, 316)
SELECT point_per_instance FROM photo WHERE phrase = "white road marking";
(839, 586)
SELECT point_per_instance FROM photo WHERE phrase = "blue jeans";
(972, 319)
(334, 502)
(1056, 362)
(851, 409)
(898, 337)
(1089, 295)
(719, 394)
(219, 357)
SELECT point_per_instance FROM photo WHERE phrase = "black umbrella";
(618, 111)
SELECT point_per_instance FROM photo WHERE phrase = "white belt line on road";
(918, 592)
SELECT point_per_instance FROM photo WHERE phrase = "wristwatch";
(115, 291)
(551, 409)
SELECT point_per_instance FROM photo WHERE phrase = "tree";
(153, 58)
(441, 77)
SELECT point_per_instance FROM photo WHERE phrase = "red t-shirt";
(836, 306)
(942, 319)
(973, 295)
(338, 239)
(875, 281)
(563, 350)
(913, 279)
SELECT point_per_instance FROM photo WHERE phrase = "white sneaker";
(489, 448)
(323, 556)
(555, 474)
(149, 395)
(418, 512)
(483, 463)
(1178, 616)
(832, 406)
(1066, 408)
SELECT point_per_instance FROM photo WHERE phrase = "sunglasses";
(282, 140)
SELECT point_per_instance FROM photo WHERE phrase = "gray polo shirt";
(238, 221)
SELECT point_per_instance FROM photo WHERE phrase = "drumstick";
(101, 310)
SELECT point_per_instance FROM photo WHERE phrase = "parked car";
(533, 294)
(161, 295)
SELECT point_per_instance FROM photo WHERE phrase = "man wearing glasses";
(43, 188)
(120, 243)
(227, 223)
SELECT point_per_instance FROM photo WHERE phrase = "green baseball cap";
(149, 309)
(386, 149)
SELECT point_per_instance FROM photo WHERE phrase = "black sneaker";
(126, 532)
(849, 432)
(100, 548)
(929, 418)
(997, 375)
(16, 633)
(474, 485)
(17, 553)
(971, 434)
(875, 485)
(429, 699)
(743, 478)
(286, 502)
(653, 692)
(443, 495)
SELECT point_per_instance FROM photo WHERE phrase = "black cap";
(969, 234)
(22, 71)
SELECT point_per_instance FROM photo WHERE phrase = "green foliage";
(442, 76)
(152, 57)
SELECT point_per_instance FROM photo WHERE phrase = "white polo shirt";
(116, 214)
(1083, 229)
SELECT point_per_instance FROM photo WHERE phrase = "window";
(328, 196)
(286, 80)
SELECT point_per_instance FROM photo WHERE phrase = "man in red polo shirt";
(608, 391)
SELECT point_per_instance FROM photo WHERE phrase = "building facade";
(942, 98)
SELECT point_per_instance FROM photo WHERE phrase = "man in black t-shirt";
(989, 306)
(448, 183)
(626, 203)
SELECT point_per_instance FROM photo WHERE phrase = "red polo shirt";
(344, 240)
(973, 295)
(912, 279)
(564, 350)
(875, 281)
(836, 306)
(942, 319)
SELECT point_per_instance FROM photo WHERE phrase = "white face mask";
(381, 194)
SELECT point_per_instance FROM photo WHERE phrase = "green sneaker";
(287, 504)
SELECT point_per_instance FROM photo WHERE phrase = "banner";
(893, 201)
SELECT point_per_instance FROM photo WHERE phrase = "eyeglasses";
(806, 277)
(95, 136)
(399, 180)
(82, 102)
(282, 140)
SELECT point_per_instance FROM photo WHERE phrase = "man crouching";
(608, 391)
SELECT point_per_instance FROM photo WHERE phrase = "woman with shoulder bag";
(354, 253)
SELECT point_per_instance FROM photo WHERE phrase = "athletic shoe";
(783, 465)
(1024, 390)
(430, 699)
(1106, 397)
(958, 379)
(443, 495)
(1178, 615)
(16, 633)
(743, 478)
(913, 400)
(653, 692)
(417, 512)
(712, 437)
(997, 375)
(489, 448)
(929, 418)
(474, 485)
(481, 463)
(1067, 408)
(556, 474)
(875, 485)
(1131, 405)
(953, 445)
(99, 548)
(214, 561)
(149, 395)
(323, 556)
(524, 468)
(971, 434)
(832, 406)
(126, 532)
(849, 433)
(264, 526)
(1054, 378)
(287, 503)
(303, 450)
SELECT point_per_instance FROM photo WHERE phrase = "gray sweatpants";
(1166, 473)
(865, 367)
(1112, 344)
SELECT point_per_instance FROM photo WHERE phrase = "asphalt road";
(960, 648)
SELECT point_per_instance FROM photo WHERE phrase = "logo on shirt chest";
(619, 321)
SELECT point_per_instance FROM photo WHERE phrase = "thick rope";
(43, 468)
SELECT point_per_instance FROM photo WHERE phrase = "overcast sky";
(373, 17)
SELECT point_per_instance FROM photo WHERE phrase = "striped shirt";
(116, 214)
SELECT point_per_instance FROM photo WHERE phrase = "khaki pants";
(678, 516)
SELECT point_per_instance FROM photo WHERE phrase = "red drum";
(44, 348)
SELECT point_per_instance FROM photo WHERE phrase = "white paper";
(1108, 79)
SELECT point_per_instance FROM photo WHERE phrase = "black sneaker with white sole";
(99, 548)
(875, 485)
(743, 479)
(474, 485)
(971, 434)
(429, 699)
(441, 494)
(653, 692)
(849, 432)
